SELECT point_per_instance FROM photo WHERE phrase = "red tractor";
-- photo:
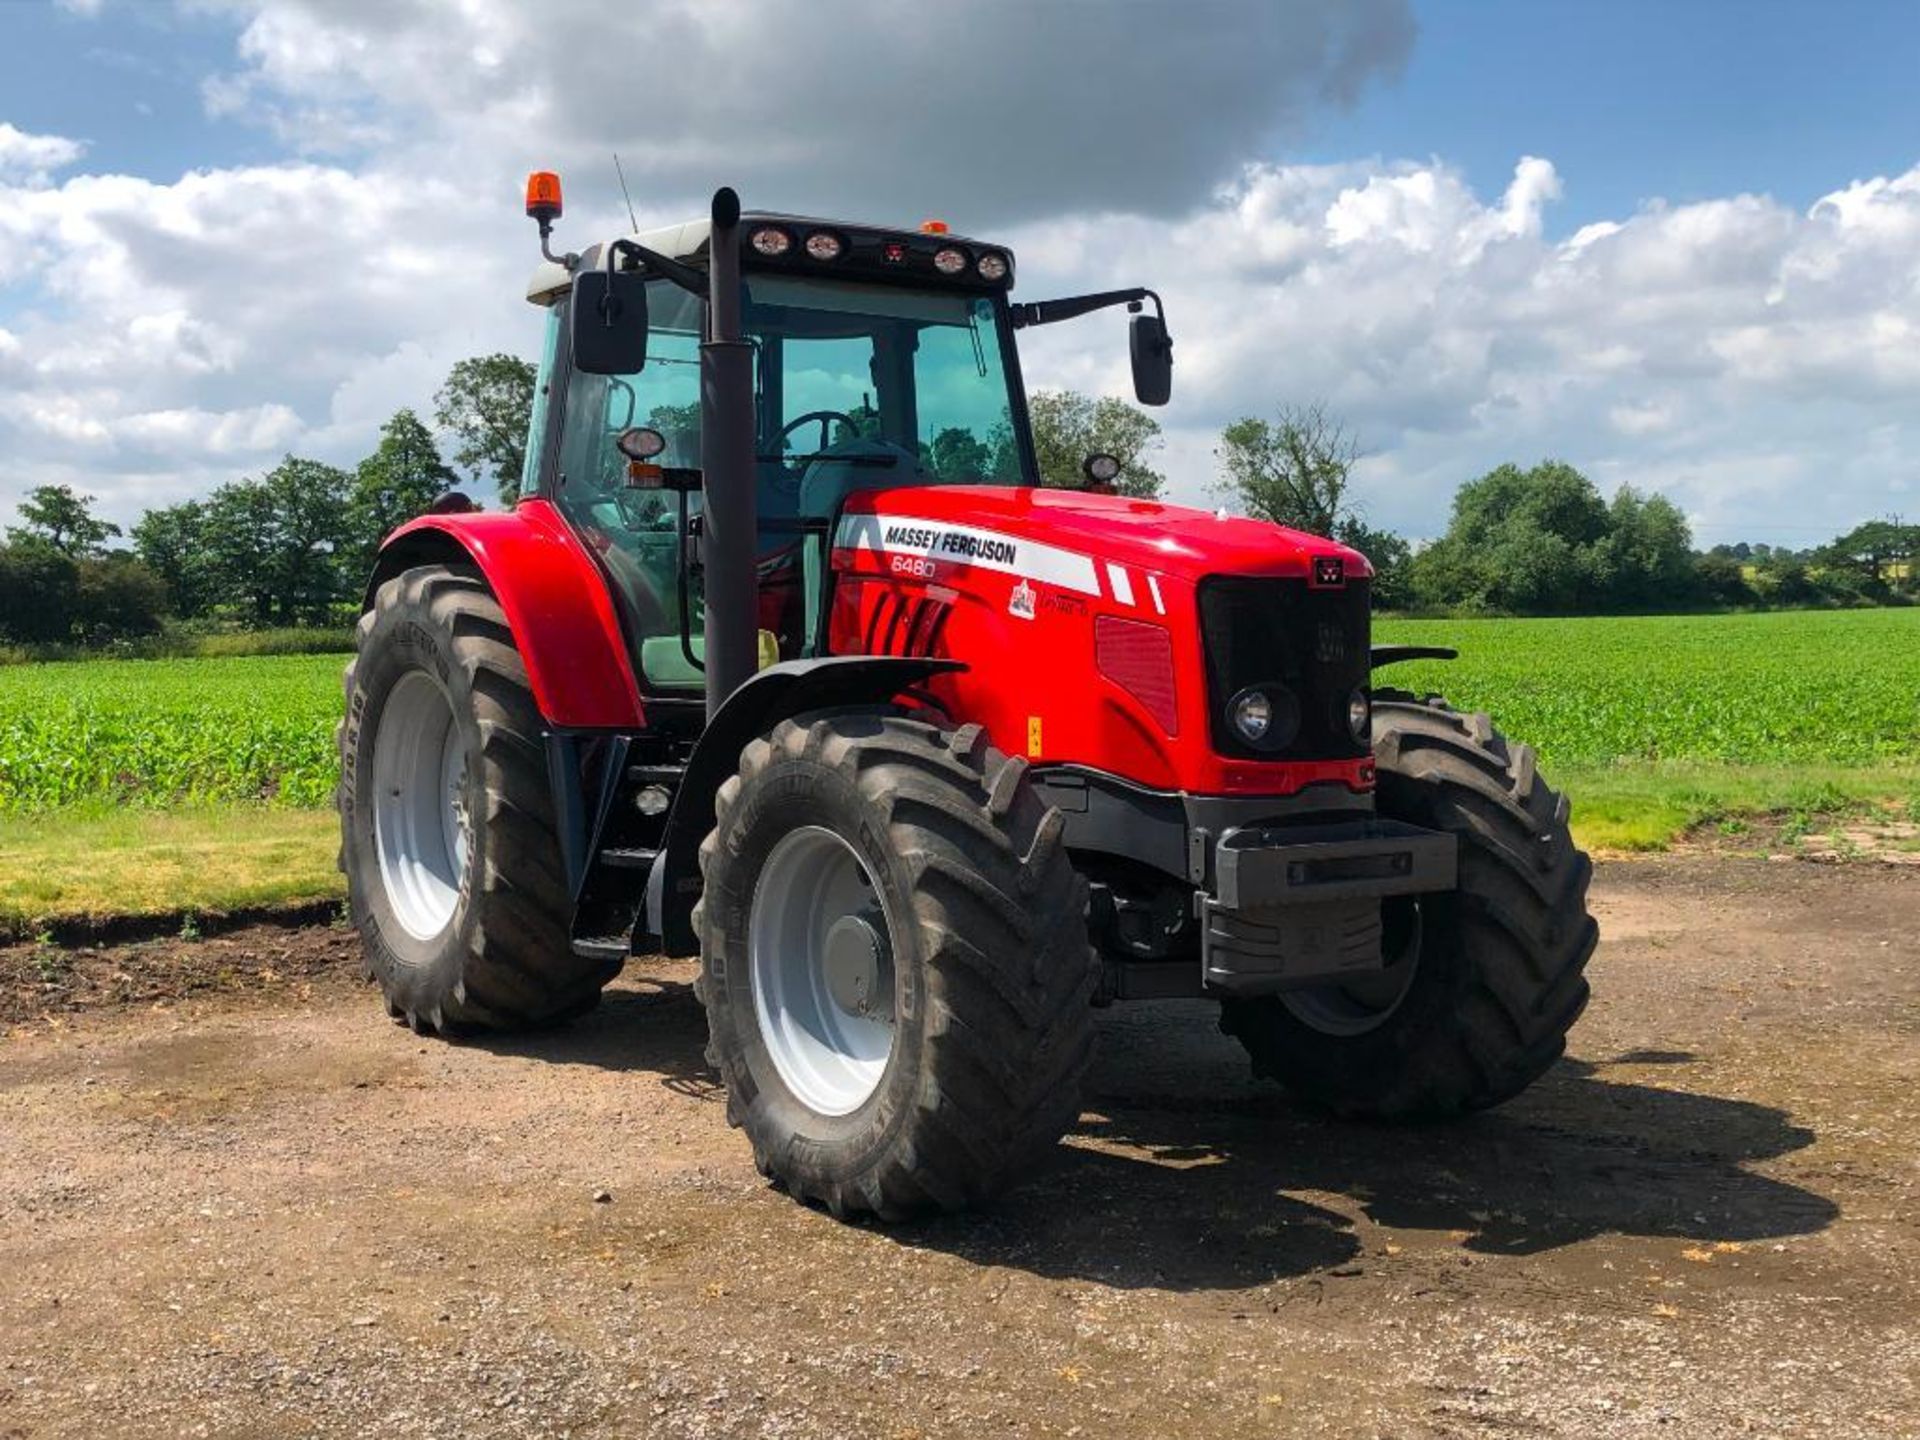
(784, 658)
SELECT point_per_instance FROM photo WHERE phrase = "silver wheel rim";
(420, 805)
(1364, 1003)
(822, 971)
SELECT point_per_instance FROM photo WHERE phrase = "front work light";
(950, 261)
(992, 266)
(771, 241)
(823, 245)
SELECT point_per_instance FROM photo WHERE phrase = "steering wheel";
(824, 418)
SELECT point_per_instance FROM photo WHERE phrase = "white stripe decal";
(1159, 605)
(1122, 586)
(968, 545)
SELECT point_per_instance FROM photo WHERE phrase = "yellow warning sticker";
(1033, 737)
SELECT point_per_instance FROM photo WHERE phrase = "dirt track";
(264, 1210)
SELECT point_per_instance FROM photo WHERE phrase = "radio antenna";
(631, 220)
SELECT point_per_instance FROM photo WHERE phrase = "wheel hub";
(420, 821)
(853, 957)
(822, 970)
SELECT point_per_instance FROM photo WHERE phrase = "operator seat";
(824, 489)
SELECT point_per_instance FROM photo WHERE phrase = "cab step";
(612, 949)
(668, 775)
(628, 858)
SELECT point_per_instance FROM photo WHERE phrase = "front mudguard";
(779, 692)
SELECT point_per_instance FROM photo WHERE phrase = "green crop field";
(1818, 689)
(1798, 687)
(1651, 725)
(156, 733)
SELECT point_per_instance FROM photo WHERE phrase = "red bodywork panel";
(556, 600)
(1015, 582)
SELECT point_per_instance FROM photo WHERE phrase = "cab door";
(636, 533)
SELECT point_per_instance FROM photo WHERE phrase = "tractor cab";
(880, 359)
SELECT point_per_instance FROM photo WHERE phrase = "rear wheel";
(894, 964)
(446, 821)
(1483, 982)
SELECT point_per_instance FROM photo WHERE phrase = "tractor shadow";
(655, 1028)
(1184, 1174)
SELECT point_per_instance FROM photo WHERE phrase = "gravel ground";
(235, 1200)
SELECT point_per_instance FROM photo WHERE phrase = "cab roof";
(688, 241)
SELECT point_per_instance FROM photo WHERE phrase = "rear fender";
(555, 597)
(779, 692)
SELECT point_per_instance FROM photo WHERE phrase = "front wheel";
(895, 964)
(1482, 982)
(454, 878)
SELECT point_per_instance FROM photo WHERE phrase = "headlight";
(992, 267)
(822, 245)
(1252, 715)
(1359, 715)
(949, 261)
(1265, 717)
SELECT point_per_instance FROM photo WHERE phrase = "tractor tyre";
(454, 878)
(894, 964)
(1484, 981)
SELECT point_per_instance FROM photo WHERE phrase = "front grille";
(1259, 630)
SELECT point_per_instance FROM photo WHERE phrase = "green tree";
(1552, 498)
(1645, 560)
(1069, 426)
(1878, 551)
(1522, 541)
(402, 477)
(1720, 579)
(116, 597)
(54, 516)
(959, 457)
(173, 542)
(274, 541)
(1391, 558)
(39, 584)
(1294, 470)
(486, 403)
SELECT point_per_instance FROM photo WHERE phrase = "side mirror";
(609, 322)
(1152, 351)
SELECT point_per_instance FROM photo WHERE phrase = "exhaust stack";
(730, 526)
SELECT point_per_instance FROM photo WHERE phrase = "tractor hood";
(1176, 540)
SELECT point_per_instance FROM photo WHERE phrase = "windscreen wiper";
(886, 460)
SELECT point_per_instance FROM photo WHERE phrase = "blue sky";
(131, 89)
(1633, 100)
(1477, 232)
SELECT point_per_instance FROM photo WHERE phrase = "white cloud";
(1654, 348)
(1733, 352)
(32, 158)
(981, 110)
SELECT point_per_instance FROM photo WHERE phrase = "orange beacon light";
(543, 196)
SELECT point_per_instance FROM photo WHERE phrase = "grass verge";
(79, 865)
(88, 865)
(1645, 806)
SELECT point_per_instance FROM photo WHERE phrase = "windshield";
(917, 375)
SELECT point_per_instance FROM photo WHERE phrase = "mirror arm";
(686, 277)
(1048, 312)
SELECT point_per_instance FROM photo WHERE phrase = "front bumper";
(1294, 906)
